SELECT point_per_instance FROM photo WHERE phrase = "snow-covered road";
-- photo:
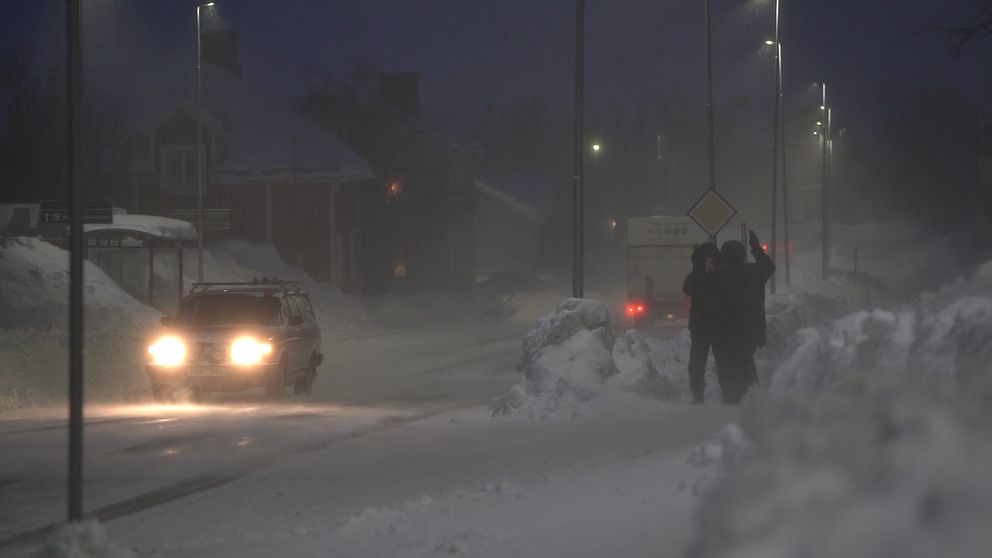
(394, 454)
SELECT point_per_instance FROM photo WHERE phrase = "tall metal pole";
(199, 153)
(775, 129)
(824, 227)
(827, 187)
(785, 173)
(578, 209)
(709, 101)
(74, 91)
(709, 97)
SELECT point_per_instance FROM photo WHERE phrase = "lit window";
(394, 188)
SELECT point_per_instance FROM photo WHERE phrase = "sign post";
(58, 212)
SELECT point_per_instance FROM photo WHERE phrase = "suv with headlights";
(235, 336)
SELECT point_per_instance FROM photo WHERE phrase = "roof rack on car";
(263, 282)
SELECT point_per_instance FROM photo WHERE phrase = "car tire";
(276, 385)
(199, 394)
(304, 384)
(163, 394)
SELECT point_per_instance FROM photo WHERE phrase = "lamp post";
(785, 174)
(199, 146)
(577, 193)
(824, 184)
(74, 133)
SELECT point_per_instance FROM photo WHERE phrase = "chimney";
(401, 91)
(220, 48)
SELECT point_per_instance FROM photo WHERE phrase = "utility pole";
(824, 210)
(709, 100)
(74, 91)
(785, 175)
(775, 126)
(578, 209)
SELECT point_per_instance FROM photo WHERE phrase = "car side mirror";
(168, 320)
(295, 321)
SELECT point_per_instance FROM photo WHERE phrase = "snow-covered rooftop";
(266, 141)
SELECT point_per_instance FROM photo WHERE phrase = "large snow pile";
(87, 539)
(34, 328)
(568, 357)
(872, 438)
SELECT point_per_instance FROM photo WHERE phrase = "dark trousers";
(699, 351)
(735, 369)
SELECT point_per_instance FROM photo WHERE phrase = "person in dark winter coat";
(701, 286)
(741, 288)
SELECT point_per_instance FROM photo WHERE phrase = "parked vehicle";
(236, 336)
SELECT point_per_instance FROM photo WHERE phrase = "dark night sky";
(472, 52)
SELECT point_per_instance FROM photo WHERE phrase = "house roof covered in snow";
(265, 140)
(506, 200)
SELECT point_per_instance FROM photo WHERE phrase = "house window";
(177, 169)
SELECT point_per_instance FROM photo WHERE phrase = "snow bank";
(87, 539)
(34, 329)
(872, 438)
(571, 356)
(34, 317)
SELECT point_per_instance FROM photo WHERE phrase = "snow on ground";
(87, 539)
(602, 480)
(34, 329)
(34, 317)
(871, 438)
(571, 356)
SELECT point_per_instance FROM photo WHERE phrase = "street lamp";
(776, 133)
(824, 182)
(199, 146)
(596, 147)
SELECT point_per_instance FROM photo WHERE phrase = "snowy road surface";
(393, 455)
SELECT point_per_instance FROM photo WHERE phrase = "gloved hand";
(753, 241)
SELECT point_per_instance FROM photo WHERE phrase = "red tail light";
(635, 308)
(764, 246)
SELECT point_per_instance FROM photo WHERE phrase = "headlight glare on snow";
(168, 351)
(247, 351)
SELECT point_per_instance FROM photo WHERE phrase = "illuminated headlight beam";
(246, 351)
(168, 351)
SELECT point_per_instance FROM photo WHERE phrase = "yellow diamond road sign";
(712, 212)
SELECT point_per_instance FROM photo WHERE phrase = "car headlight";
(247, 351)
(168, 351)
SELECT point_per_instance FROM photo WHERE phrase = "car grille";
(212, 352)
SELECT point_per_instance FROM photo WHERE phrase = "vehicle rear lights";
(636, 308)
(168, 351)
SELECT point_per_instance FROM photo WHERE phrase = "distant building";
(985, 160)
(508, 235)
(271, 175)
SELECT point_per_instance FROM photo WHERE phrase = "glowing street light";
(199, 146)
(596, 147)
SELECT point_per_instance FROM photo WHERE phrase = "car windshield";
(231, 309)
